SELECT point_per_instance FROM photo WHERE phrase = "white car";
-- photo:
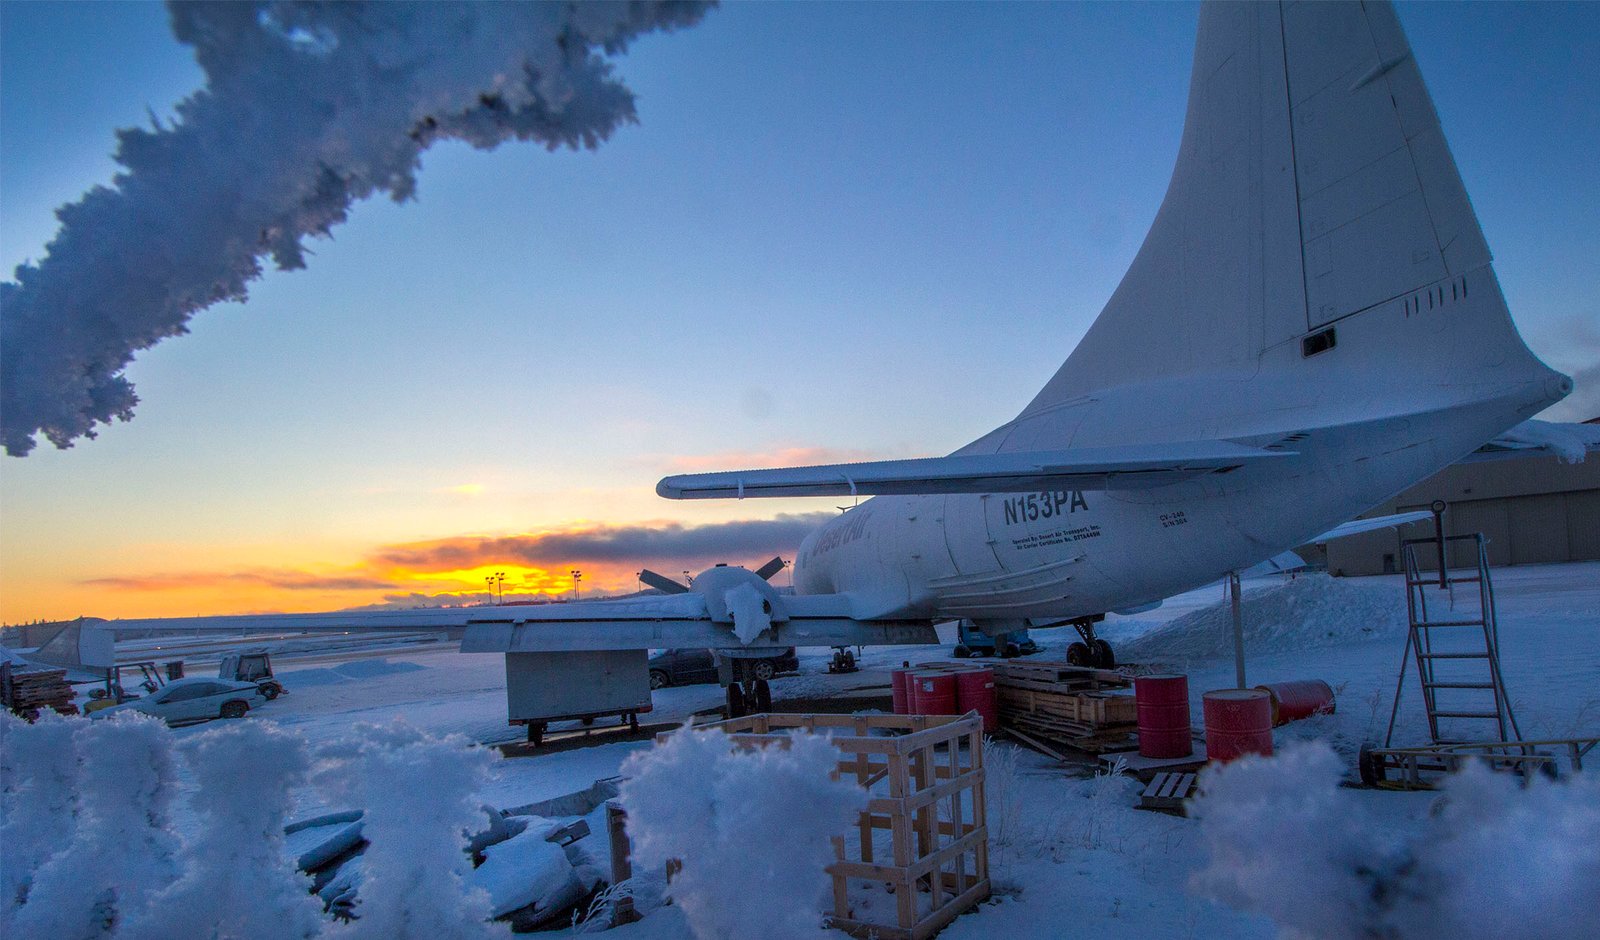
(193, 699)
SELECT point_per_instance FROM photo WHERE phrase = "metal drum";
(900, 684)
(975, 692)
(1292, 701)
(1164, 727)
(1238, 722)
(933, 693)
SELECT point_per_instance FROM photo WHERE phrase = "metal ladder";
(1457, 655)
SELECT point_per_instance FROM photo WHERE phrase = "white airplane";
(1312, 324)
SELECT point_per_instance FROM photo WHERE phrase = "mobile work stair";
(1455, 644)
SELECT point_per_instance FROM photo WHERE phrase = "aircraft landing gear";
(1093, 652)
(753, 700)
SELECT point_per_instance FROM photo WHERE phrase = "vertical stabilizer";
(1312, 185)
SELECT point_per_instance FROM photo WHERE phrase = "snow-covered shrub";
(122, 849)
(38, 798)
(235, 882)
(418, 794)
(752, 829)
(1500, 859)
(1285, 841)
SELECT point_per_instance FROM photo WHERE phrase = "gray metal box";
(547, 686)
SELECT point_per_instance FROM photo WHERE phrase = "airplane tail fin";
(1315, 215)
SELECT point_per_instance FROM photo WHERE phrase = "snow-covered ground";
(1070, 854)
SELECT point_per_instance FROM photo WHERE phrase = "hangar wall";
(1533, 510)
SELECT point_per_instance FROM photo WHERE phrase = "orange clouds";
(454, 570)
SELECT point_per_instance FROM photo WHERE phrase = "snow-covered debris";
(39, 772)
(1571, 442)
(1498, 859)
(1304, 613)
(122, 849)
(235, 882)
(418, 794)
(312, 843)
(307, 109)
(751, 828)
(526, 869)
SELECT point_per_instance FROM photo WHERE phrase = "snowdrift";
(1306, 613)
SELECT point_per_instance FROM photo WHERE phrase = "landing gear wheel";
(735, 701)
(1078, 655)
(763, 669)
(1103, 657)
(761, 697)
(961, 652)
(1370, 766)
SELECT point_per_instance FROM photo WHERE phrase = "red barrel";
(1238, 722)
(933, 693)
(900, 683)
(975, 692)
(1292, 701)
(1163, 703)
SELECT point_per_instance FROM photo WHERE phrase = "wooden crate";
(924, 838)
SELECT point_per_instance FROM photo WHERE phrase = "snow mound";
(1306, 613)
(346, 672)
(524, 870)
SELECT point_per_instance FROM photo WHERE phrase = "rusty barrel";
(1163, 704)
(1238, 722)
(933, 693)
(975, 692)
(900, 685)
(1292, 701)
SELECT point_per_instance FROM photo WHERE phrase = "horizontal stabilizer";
(1533, 438)
(1358, 526)
(1125, 467)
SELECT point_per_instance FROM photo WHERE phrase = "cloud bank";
(307, 108)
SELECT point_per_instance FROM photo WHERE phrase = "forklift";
(114, 693)
(252, 666)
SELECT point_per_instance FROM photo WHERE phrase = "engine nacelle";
(742, 598)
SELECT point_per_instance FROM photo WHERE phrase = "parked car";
(687, 667)
(194, 699)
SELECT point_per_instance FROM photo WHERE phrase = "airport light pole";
(500, 583)
(577, 580)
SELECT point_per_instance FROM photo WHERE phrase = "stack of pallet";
(1088, 709)
(27, 690)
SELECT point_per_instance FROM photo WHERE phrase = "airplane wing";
(1134, 466)
(725, 617)
(1570, 442)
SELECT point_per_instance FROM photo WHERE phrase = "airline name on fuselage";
(1030, 507)
(838, 535)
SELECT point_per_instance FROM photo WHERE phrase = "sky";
(838, 232)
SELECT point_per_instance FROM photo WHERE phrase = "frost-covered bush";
(1500, 859)
(235, 881)
(122, 849)
(752, 829)
(418, 794)
(38, 798)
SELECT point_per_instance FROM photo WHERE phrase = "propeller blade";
(662, 583)
(766, 571)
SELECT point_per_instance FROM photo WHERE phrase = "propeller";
(662, 583)
(766, 571)
(667, 585)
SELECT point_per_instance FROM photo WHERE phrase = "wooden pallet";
(1057, 676)
(1089, 708)
(1168, 792)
